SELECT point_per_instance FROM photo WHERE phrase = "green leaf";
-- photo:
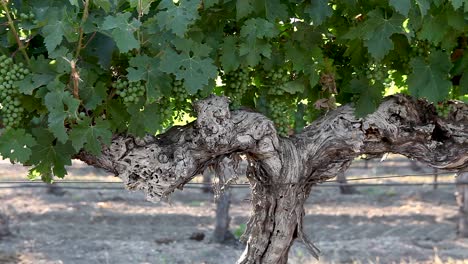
(33, 81)
(177, 17)
(93, 94)
(464, 83)
(15, 144)
(369, 96)
(55, 29)
(191, 65)
(102, 48)
(255, 33)
(244, 8)
(61, 105)
(459, 3)
(104, 4)
(122, 30)
(319, 10)
(49, 156)
(275, 10)
(143, 6)
(91, 135)
(292, 87)
(424, 6)
(430, 79)
(401, 6)
(230, 54)
(434, 29)
(144, 68)
(376, 32)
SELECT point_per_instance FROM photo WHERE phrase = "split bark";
(282, 171)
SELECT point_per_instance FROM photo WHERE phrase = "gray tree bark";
(281, 170)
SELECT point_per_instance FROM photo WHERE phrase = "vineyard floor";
(413, 224)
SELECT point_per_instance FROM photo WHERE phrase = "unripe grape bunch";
(276, 78)
(179, 92)
(280, 113)
(130, 92)
(237, 83)
(10, 73)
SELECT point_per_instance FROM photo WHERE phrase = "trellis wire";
(14, 184)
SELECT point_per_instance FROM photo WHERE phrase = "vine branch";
(11, 24)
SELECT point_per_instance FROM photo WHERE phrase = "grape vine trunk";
(282, 171)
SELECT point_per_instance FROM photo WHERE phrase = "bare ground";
(379, 225)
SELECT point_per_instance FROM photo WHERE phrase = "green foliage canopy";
(75, 72)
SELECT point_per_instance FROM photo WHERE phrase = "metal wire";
(14, 184)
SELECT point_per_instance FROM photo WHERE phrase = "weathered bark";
(282, 171)
(462, 201)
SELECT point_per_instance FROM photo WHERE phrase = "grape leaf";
(376, 32)
(319, 10)
(424, 6)
(191, 65)
(254, 31)
(144, 68)
(143, 6)
(91, 135)
(55, 29)
(275, 10)
(104, 4)
(434, 28)
(430, 79)
(230, 54)
(292, 87)
(33, 81)
(464, 83)
(369, 96)
(15, 144)
(61, 105)
(401, 6)
(459, 3)
(243, 8)
(102, 48)
(48, 156)
(122, 30)
(177, 17)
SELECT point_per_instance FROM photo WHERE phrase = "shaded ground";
(379, 225)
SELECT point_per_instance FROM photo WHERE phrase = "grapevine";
(10, 73)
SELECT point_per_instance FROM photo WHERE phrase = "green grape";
(275, 79)
(280, 111)
(10, 73)
(130, 92)
(179, 93)
(237, 83)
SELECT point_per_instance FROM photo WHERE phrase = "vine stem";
(14, 31)
(75, 76)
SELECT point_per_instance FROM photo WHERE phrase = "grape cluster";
(377, 72)
(28, 17)
(130, 92)
(280, 113)
(276, 78)
(443, 110)
(179, 92)
(237, 83)
(422, 48)
(165, 112)
(12, 112)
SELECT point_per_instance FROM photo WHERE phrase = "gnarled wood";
(282, 171)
